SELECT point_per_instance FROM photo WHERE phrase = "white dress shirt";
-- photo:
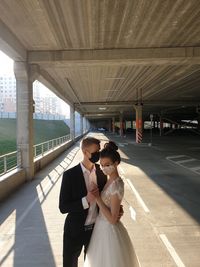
(90, 176)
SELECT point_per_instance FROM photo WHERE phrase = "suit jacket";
(73, 189)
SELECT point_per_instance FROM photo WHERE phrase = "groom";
(77, 199)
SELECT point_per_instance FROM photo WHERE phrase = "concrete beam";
(10, 45)
(134, 102)
(158, 56)
(46, 79)
(42, 76)
(101, 115)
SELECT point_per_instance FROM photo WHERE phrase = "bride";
(110, 245)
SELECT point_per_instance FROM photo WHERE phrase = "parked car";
(102, 129)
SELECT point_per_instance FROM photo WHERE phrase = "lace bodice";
(116, 187)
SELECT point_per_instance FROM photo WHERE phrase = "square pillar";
(139, 123)
(113, 124)
(72, 123)
(87, 125)
(81, 124)
(121, 124)
(84, 124)
(110, 125)
(24, 90)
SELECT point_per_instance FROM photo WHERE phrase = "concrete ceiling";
(111, 54)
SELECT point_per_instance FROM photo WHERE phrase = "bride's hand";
(95, 192)
(93, 186)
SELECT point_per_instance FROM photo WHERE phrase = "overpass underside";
(111, 61)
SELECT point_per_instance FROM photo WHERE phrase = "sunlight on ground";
(7, 240)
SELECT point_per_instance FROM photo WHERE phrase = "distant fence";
(7, 115)
(37, 116)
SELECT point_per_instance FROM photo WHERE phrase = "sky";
(6, 64)
(6, 68)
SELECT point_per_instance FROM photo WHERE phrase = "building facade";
(45, 101)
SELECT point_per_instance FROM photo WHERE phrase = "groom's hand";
(95, 192)
(90, 197)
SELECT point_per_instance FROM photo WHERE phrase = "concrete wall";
(10, 182)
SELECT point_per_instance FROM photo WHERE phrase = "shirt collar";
(86, 170)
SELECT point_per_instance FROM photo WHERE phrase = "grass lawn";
(43, 130)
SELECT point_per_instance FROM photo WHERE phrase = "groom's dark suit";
(73, 189)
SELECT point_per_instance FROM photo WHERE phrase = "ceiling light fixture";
(102, 108)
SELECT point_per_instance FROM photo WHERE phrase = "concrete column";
(113, 124)
(124, 128)
(87, 125)
(72, 122)
(139, 123)
(84, 124)
(121, 124)
(81, 124)
(110, 125)
(24, 86)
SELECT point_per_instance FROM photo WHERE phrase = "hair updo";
(110, 151)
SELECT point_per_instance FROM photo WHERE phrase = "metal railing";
(42, 148)
(9, 162)
(12, 160)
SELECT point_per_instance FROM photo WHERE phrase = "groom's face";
(91, 150)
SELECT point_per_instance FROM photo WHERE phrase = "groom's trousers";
(72, 246)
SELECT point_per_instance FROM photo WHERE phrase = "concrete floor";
(161, 204)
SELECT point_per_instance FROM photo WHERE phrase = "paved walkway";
(161, 206)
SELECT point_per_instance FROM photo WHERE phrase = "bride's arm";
(112, 215)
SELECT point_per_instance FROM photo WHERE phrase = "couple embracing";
(91, 195)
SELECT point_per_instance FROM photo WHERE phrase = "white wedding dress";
(110, 245)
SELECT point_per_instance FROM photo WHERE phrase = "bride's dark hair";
(110, 151)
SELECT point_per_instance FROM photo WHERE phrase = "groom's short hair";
(88, 141)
